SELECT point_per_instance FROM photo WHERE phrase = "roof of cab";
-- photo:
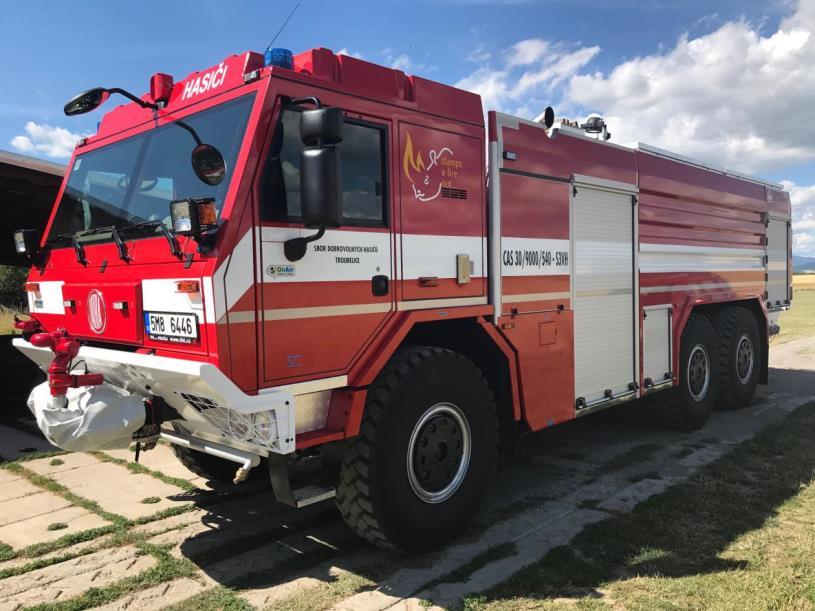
(348, 73)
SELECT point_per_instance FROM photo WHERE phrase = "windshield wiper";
(78, 249)
(136, 227)
(114, 234)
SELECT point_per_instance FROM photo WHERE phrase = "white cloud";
(733, 96)
(527, 52)
(737, 95)
(345, 51)
(401, 62)
(530, 70)
(55, 142)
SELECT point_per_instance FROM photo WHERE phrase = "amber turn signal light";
(187, 286)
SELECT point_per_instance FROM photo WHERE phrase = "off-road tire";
(677, 408)
(375, 495)
(732, 325)
(211, 468)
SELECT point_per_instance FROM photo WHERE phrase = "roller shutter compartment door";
(604, 327)
(777, 263)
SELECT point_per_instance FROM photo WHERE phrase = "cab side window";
(362, 154)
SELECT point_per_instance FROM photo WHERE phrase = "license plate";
(170, 327)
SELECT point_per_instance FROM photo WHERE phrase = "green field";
(799, 320)
(738, 535)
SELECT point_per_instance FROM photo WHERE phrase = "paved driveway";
(118, 536)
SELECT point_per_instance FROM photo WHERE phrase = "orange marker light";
(186, 286)
(32, 287)
(207, 214)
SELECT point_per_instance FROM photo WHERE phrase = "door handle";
(379, 285)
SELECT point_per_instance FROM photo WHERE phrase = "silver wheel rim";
(698, 373)
(438, 453)
(744, 359)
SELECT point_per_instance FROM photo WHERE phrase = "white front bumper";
(207, 399)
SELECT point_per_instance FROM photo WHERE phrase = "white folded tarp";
(95, 418)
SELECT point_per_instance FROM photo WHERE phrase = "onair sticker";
(276, 271)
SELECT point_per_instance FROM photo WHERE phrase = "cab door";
(318, 313)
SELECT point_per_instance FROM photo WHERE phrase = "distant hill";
(801, 264)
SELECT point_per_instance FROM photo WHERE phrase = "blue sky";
(725, 80)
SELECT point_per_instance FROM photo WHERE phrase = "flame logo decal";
(427, 186)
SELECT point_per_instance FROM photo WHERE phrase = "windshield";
(134, 181)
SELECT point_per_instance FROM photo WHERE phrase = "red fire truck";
(298, 256)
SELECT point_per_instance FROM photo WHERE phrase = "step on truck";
(312, 257)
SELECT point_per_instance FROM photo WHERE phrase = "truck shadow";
(255, 543)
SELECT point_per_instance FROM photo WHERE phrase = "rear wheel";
(688, 406)
(426, 451)
(739, 356)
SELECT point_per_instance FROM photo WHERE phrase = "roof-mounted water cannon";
(595, 124)
(93, 98)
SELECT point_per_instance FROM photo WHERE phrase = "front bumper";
(210, 403)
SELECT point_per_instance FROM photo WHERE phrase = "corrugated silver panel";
(777, 278)
(604, 300)
(656, 344)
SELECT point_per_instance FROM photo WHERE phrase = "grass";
(740, 534)
(6, 320)
(57, 526)
(214, 599)
(799, 320)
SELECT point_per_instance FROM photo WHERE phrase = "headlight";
(237, 425)
(265, 426)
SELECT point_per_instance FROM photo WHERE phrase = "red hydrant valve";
(65, 348)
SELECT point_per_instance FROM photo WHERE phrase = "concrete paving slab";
(161, 459)
(15, 443)
(30, 506)
(65, 462)
(157, 597)
(35, 529)
(69, 579)
(626, 500)
(14, 486)
(116, 489)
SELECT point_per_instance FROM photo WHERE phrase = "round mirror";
(208, 164)
(86, 101)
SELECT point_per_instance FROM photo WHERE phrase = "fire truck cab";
(323, 256)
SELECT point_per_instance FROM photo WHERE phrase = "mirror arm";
(192, 132)
(295, 248)
(306, 100)
(132, 97)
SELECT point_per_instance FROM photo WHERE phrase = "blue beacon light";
(282, 58)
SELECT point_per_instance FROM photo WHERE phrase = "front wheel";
(426, 451)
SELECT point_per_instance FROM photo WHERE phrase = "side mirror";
(321, 186)
(321, 126)
(86, 101)
(208, 164)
